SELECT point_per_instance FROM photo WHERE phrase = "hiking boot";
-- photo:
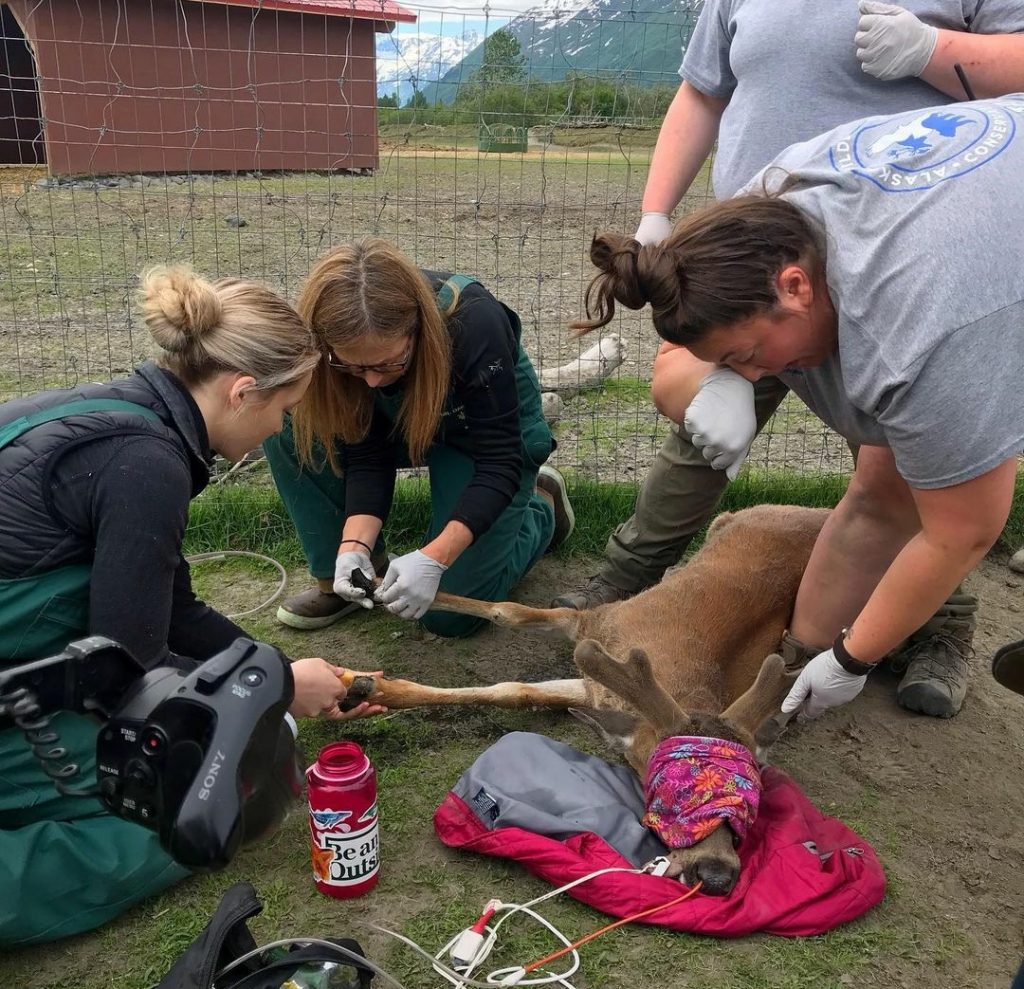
(551, 484)
(937, 659)
(595, 591)
(315, 608)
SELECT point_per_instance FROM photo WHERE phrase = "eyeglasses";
(390, 367)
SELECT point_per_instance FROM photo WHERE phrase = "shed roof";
(372, 10)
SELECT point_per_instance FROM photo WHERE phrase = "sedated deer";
(692, 651)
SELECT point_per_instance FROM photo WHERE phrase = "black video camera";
(205, 758)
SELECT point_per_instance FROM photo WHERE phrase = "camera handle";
(90, 676)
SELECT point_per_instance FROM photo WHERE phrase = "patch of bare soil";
(947, 799)
(942, 801)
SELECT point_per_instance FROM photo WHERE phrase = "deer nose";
(717, 878)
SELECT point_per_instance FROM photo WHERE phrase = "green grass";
(243, 516)
(429, 893)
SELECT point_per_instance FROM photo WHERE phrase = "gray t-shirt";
(789, 70)
(922, 219)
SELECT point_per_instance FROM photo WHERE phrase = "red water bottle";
(342, 786)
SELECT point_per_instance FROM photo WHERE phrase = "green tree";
(388, 100)
(418, 100)
(503, 60)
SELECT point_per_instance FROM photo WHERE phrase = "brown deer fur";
(696, 642)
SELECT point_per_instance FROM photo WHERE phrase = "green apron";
(495, 562)
(68, 865)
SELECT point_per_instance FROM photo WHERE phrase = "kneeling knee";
(450, 626)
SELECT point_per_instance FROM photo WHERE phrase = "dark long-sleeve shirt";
(481, 418)
(120, 503)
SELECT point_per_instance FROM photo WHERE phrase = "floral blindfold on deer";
(695, 784)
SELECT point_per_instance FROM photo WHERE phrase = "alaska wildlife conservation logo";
(919, 150)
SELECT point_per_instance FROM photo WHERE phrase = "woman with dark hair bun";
(875, 272)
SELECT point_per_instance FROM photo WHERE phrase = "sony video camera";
(205, 758)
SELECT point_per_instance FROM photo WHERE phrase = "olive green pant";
(676, 501)
(488, 569)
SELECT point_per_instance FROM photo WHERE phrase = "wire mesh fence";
(246, 138)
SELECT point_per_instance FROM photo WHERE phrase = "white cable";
(506, 976)
(224, 553)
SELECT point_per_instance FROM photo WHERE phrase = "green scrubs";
(493, 564)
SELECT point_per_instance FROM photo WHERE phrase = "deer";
(696, 654)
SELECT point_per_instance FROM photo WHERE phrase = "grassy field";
(71, 255)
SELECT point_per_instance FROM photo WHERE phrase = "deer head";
(713, 861)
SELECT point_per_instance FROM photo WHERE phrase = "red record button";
(153, 742)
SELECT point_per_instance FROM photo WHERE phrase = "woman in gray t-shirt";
(875, 269)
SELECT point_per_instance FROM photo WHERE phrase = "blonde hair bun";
(179, 307)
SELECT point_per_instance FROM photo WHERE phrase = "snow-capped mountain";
(410, 61)
(639, 40)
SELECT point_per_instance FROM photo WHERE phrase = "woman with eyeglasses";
(418, 369)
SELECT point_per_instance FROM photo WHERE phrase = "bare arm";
(959, 525)
(676, 378)
(449, 544)
(685, 140)
(364, 528)
(993, 64)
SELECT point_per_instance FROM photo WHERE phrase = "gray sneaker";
(593, 592)
(938, 660)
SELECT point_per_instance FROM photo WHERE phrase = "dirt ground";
(942, 801)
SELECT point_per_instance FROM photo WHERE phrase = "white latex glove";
(653, 229)
(343, 567)
(892, 43)
(410, 585)
(822, 684)
(721, 420)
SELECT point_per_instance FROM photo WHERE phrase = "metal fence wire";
(246, 138)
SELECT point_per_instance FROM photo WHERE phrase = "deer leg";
(508, 613)
(633, 681)
(401, 694)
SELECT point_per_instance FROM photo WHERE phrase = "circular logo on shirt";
(918, 150)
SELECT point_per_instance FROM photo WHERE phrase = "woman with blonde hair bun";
(95, 484)
(418, 368)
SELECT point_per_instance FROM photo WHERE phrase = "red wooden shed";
(192, 85)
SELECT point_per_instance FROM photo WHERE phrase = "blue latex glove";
(410, 585)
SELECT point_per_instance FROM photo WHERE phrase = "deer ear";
(616, 728)
(762, 698)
